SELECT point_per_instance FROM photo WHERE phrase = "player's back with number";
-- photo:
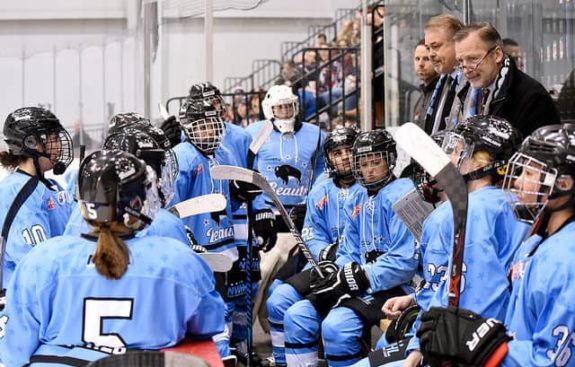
(166, 293)
(110, 290)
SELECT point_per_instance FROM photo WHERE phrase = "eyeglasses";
(475, 64)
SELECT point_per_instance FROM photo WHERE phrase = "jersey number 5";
(96, 311)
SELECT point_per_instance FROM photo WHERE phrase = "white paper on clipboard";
(413, 210)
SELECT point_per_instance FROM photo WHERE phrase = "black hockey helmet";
(549, 154)
(339, 137)
(36, 132)
(492, 134)
(114, 185)
(374, 143)
(202, 124)
(143, 146)
(208, 93)
(121, 120)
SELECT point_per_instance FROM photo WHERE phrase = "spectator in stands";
(346, 34)
(330, 72)
(290, 71)
(255, 108)
(495, 85)
(428, 78)
(512, 49)
(241, 111)
(320, 40)
(439, 31)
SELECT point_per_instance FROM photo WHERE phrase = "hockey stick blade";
(219, 263)
(163, 111)
(261, 138)
(199, 205)
(429, 155)
(246, 175)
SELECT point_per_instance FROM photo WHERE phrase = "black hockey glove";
(265, 229)
(297, 215)
(173, 130)
(462, 337)
(335, 286)
(194, 243)
(243, 191)
(329, 252)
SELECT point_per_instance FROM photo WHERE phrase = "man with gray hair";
(495, 85)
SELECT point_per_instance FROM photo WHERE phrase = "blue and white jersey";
(214, 231)
(492, 238)
(373, 229)
(165, 224)
(166, 294)
(237, 140)
(285, 161)
(541, 312)
(42, 215)
(325, 217)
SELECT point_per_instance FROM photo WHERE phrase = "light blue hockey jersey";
(194, 179)
(374, 226)
(56, 299)
(492, 238)
(285, 161)
(325, 218)
(165, 224)
(541, 312)
(43, 215)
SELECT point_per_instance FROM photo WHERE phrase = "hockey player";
(481, 147)
(322, 230)
(237, 141)
(135, 138)
(376, 260)
(540, 316)
(32, 208)
(291, 159)
(131, 292)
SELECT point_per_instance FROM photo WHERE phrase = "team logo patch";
(322, 203)
(356, 211)
(51, 204)
(62, 197)
(199, 169)
(518, 271)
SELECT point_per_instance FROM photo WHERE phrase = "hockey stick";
(253, 150)
(429, 155)
(245, 175)
(199, 205)
(219, 263)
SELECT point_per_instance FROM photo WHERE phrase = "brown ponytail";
(112, 254)
(11, 161)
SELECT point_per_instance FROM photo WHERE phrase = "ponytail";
(11, 161)
(112, 255)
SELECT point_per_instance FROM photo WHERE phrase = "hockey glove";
(243, 191)
(334, 287)
(329, 252)
(265, 229)
(462, 337)
(297, 215)
(173, 130)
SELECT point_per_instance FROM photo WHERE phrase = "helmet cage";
(358, 174)
(206, 133)
(457, 147)
(528, 183)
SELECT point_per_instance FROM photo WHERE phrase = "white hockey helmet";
(276, 96)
